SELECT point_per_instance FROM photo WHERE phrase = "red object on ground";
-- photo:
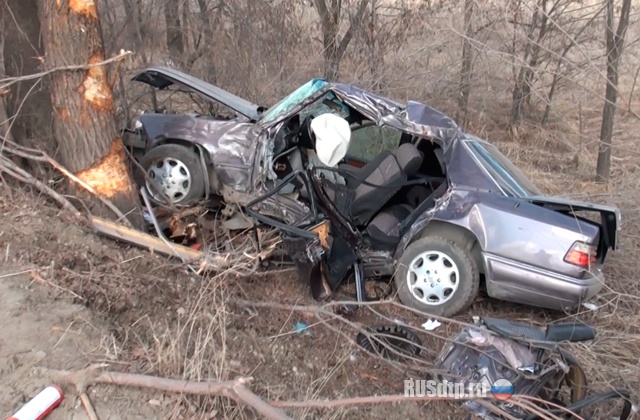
(196, 246)
(40, 405)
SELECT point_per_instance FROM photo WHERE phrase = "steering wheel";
(306, 138)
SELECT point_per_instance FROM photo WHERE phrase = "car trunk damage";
(609, 217)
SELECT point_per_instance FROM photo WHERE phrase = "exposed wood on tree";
(84, 121)
(615, 45)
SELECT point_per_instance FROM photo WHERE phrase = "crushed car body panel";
(231, 145)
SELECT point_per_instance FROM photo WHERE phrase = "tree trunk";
(28, 103)
(175, 39)
(334, 48)
(134, 24)
(522, 89)
(467, 60)
(615, 45)
(5, 123)
(83, 107)
(556, 74)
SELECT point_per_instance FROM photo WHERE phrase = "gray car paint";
(522, 244)
(231, 145)
(163, 77)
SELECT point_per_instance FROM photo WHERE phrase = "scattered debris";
(301, 328)
(590, 306)
(495, 350)
(431, 324)
(391, 342)
(40, 405)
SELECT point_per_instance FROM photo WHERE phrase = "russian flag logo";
(502, 389)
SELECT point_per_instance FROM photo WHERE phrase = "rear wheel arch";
(458, 234)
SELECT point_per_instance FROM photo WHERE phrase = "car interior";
(390, 177)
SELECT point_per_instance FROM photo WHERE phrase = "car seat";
(374, 184)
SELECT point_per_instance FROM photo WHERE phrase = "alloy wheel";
(433, 277)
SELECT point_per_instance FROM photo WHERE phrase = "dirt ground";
(71, 299)
(38, 331)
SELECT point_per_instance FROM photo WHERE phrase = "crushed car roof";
(414, 117)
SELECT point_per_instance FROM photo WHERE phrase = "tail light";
(581, 254)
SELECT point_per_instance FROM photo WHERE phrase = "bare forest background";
(509, 70)
(553, 83)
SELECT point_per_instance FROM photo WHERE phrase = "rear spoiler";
(610, 216)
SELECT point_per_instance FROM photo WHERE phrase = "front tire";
(176, 171)
(436, 275)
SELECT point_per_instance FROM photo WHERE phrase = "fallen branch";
(368, 400)
(518, 400)
(40, 156)
(86, 402)
(10, 168)
(234, 389)
(37, 277)
(5, 83)
(153, 243)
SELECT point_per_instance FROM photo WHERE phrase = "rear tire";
(438, 276)
(184, 182)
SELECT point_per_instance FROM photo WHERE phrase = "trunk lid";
(610, 216)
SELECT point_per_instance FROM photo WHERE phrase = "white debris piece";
(431, 324)
(590, 306)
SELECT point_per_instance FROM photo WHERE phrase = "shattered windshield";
(294, 98)
(508, 175)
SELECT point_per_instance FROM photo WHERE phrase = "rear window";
(508, 176)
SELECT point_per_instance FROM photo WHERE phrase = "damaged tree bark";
(83, 108)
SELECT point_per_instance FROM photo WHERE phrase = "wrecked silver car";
(363, 187)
